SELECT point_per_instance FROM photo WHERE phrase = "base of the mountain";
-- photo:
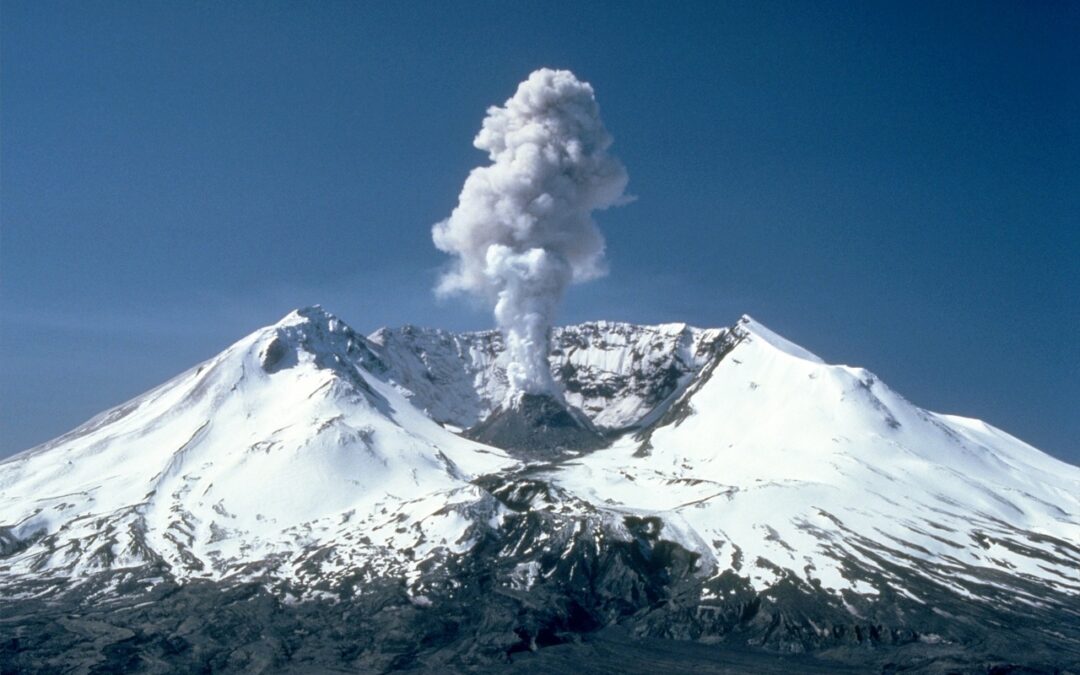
(625, 618)
(550, 591)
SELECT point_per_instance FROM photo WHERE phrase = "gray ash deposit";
(538, 426)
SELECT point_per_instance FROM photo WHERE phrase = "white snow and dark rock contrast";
(715, 500)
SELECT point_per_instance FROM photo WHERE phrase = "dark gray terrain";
(537, 427)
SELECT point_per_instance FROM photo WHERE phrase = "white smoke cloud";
(523, 230)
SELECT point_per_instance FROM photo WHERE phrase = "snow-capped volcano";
(738, 487)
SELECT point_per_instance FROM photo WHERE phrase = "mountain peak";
(748, 326)
(312, 314)
(329, 342)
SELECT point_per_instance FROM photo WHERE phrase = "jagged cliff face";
(616, 373)
(745, 492)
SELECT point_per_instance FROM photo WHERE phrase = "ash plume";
(523, 229)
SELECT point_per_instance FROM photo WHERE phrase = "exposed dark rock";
(274, 355)
(554, 587)
(538, 426)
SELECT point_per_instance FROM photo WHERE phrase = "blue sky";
(889, 185)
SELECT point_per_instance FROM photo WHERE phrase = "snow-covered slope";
(776, 464)
(281, 445)
(742, 470)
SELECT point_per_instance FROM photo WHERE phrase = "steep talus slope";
(301, 501)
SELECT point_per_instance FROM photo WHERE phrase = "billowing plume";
(523, 230)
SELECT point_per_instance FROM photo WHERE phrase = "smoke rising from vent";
(523, 230)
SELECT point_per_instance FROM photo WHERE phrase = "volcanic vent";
(538, 424)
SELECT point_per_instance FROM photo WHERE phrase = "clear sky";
(895, 185)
